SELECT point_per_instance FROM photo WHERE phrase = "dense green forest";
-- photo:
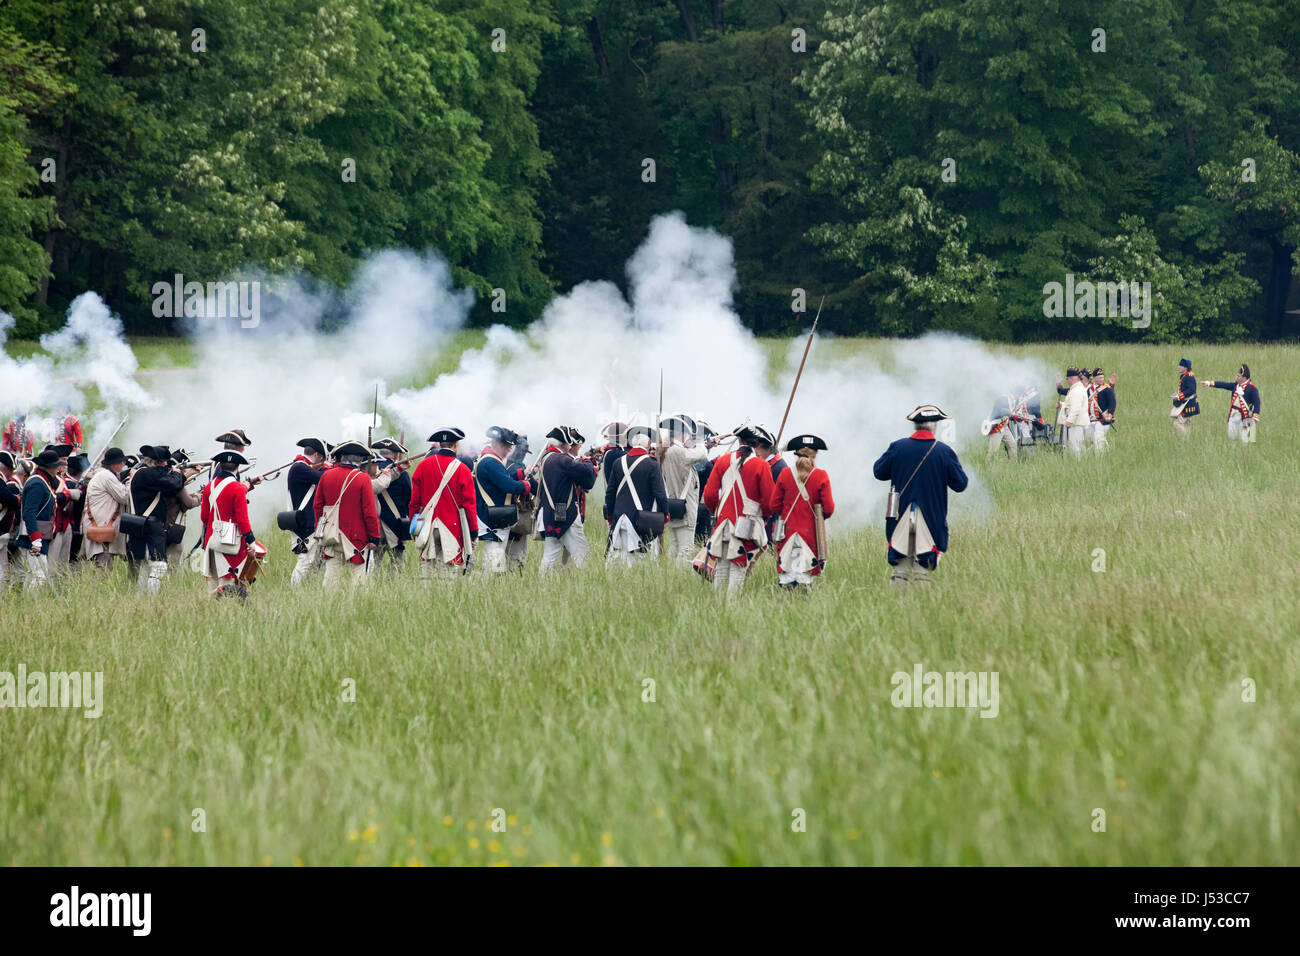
(927, 164)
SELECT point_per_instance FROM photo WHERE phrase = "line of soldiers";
(59, 511)
(355, 509)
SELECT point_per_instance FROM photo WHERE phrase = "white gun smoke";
(594, 356)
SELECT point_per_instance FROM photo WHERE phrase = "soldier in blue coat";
(920, 469)
(1243, 409)
(563, 479)
(392, 487)
(499, 483)
(1185, 405)
(304, 476)
(636, 486)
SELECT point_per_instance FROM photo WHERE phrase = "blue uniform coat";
(928, 488)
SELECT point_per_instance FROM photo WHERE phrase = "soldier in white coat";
(1074, 412)
(107, 499)
(682, 481)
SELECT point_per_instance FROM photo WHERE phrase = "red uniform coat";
(755, 475)
(358, 516)
(70, 433)
(232, 505)
(797, 513)
(459, 494)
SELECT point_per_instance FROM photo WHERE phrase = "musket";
(659, 455)
(407, 461)
(819, 532)
(374, 420)
(108, 444)
(659, 445)
(798, 375)
(194, 464)
(274, 471)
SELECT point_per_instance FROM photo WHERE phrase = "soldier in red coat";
(739, 494)
(799, 536)
(70, 432)
(17, 438)
(225, 499)
(444, 512)
(347, 519)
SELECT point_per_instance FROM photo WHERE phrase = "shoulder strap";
(487, 498)
(541, 470)
(803, 493)
(432, 503)
(731, 481)
(933, 443)
(212, 498)
(153, 504)
(627, 479)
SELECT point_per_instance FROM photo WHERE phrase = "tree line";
(927, 164)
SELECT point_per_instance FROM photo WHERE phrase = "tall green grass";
(1120, 690)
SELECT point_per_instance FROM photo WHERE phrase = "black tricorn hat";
(48, 458)
(63, 451)
(350, 448)
(679, 424)
(805, 441)
(1071, 372)
(565, 435)
(389, 444)
(113, 456)
(236, 436)
(615, 432)
(502, 434)
(315, 444)
(446, 434)
(639, 431)
(7, 459)
(156, 452)
(231, 458)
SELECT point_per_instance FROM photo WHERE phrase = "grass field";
(1120, 690)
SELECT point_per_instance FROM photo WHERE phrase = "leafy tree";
(32, 81)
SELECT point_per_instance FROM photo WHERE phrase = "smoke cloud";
(311, 367)
(596, 357)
